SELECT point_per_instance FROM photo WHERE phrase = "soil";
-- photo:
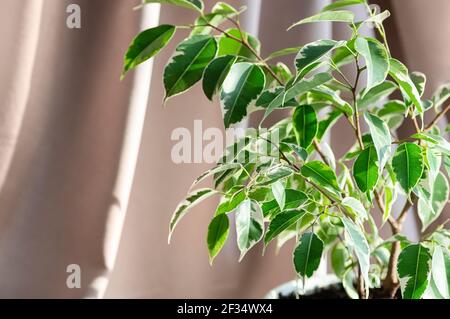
(337, 292)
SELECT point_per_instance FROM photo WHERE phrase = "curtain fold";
(86, 175)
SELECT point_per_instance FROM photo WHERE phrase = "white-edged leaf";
(330, 16)
(361, 248)
(249, 225)
(307, 255)
(377, 60)
(191, 200)
(413, 269)
(381, 137)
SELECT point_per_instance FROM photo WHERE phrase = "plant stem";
(320, 152)
(437, 118)
(245, 43)
(391, 283)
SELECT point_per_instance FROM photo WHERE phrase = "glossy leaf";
(182, 209)
(218, 231)
(321, 174)
(307, 254)
(356, 207)
(278, 191)
(187, 65)
(339, 258)
(305, 126)
(294, 199)
(196, 5)
(400, 74)
(243, 84)
(342, 3)
(325, 94)
(440, 271)
(297, 89)
(281, 222)
(361, 248)
(146, 45)
(312, 52)
(430, 207)
(377, 93)
(365, 170)
(381, 138)
(413, 269)
(215, 74)
(419, 79)
(229, 46)
(330, 16)
(408, 165)
(377, 60)
(283, 52)
(249, 226)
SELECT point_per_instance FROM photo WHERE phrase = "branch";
(244, 42)
(437, 118)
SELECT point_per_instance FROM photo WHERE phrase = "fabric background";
(80, 184)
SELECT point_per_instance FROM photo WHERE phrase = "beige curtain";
(82, 182)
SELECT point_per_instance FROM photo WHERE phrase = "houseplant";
(284, 183)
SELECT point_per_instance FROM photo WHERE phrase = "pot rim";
(311, 285)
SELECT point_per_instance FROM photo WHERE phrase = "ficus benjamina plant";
(298, 190)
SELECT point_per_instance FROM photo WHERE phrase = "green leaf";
(146, 45)
(297, 89)
(390, 196)
(182, 209)
(430, 207)
(408, 165)
(281, 222)
(276, 173)
(283, 52)
(196, 5)
(390, 108)
(331, 16)
(365, 170)
(440, 271)
(215, 73)
(249, 226)
(278, 191)
(218, 231)
(413, 269)
(215, 170)
(348, 281)
(438, 142)
(305, 126)
(301, 152)
(243, 84)
(400, 74)
(231, 203)
(187, 65)
(419, 79)
(377, 93)
(307, 254)
(356, 207)
(441, 95)
(268, 95)
(294, 199)
(339, 258)
(377, 60)
(342, 3)
(325, 94)
(331, 119)
(361, 248)
(312, 52)
(220, 12)
(322, 174)
(229, 46)
(377, 18)
(381, 138)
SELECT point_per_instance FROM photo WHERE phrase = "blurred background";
(86, 175)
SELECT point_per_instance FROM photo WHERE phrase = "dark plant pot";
(321, 287)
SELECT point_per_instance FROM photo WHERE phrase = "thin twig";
(437, 118)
